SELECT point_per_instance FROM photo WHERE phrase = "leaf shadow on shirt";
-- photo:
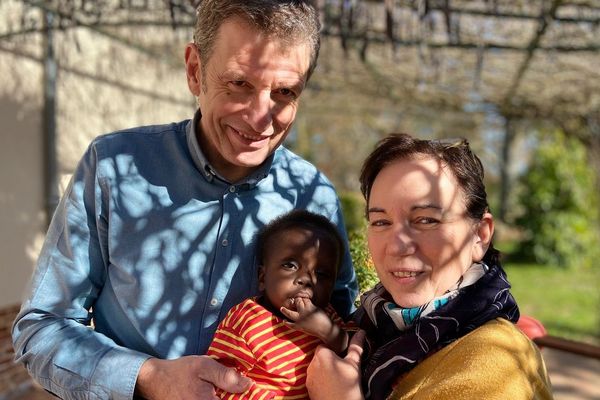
(165, 228)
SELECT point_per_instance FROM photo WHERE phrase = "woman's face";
(420, 237)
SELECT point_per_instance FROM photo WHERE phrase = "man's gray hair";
(290, 21)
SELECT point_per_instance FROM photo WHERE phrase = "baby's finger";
(301, 303)
(293, 315)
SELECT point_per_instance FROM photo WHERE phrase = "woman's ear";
(483, 236)
(261, 278)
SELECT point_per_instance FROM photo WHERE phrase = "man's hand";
(332, 377)
(190, 377)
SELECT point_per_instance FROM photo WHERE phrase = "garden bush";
(363, 265)
(559, 205)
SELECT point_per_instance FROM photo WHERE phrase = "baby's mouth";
(291, 301)
(305, 294)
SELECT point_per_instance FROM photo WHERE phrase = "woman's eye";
(379, 222)
(426, 221)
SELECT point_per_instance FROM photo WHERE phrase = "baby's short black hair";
(299, 219)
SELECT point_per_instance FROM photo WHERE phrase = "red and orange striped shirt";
(261, 346)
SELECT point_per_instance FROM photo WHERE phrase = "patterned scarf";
(399, 338)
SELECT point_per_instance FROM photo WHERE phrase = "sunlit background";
(519, 79)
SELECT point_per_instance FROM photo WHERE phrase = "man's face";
(298, 263)
(248, 96)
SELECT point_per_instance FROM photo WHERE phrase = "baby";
(272, 338)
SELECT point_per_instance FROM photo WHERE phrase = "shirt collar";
(208, 172)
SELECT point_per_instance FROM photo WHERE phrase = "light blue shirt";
(153, 248)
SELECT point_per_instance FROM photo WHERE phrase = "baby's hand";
(307, 317)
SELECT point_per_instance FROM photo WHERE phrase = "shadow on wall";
(21, 196)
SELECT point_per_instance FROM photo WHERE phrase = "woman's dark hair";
(299, 219)
(455, 154)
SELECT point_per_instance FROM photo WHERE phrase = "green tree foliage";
(560, 206)
(363, 265)
(353, 207)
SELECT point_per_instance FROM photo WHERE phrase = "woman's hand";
(332, 377)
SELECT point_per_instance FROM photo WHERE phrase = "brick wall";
(13, 377)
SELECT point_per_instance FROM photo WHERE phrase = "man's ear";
(483, 236)
(261, 278)
(193, 69)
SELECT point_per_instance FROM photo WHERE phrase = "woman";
(439, 325)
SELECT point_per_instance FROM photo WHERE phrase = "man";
(152, 240)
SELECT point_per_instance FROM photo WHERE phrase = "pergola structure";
(535, 60)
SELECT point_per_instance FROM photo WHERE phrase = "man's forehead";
(237, 28)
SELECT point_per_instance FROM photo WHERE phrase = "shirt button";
(214, 302)
(232, 189)
(225, 242)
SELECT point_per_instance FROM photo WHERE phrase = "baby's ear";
(261, 278)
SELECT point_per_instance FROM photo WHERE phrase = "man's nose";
(260, 112)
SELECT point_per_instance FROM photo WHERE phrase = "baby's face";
(298, 262)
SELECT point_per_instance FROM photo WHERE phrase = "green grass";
(566, 301)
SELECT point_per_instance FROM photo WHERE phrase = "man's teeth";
(405, 274)
(247, 137)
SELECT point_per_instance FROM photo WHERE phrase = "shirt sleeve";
(52, 336)
(230, 349)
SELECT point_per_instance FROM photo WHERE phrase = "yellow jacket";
(495, 361)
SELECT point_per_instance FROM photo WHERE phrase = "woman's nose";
(402, 242)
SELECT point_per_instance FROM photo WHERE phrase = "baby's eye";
(290, 265)
(323, 272)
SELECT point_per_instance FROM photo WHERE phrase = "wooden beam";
(570, 346)
(545, 19)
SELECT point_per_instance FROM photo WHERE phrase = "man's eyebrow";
(233, 75)
(376, 210)
(297, 84)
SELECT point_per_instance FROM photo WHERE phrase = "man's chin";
(252, 159)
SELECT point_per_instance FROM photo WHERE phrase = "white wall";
(103, 86)
(21, 186)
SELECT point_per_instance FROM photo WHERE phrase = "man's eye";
(237, 83)
(288, 93)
